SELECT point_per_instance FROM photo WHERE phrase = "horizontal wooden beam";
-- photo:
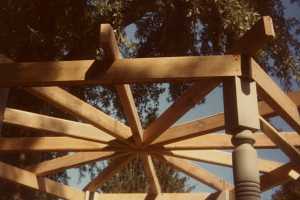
(55, 125)
(278, 176)
(55, 144)
(292, 152)
(196, 172)
(69, 161)
(212, 123)
(221, 158)
(108, 172)
(136, 70)
(223, 141)
(275, 97)
(256, 38)
(184, 103)
(146, 196)
(29, 179)
(82, 110)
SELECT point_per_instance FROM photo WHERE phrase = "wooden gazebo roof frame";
(101, 137)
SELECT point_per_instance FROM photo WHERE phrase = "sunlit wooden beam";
(221, 158)
(55, 144)
(129, 108)
(196, 172)
(188, 99)
(131, 70)
(69, 161)
(48, 124)
(146, 196)
(82, 110)
(192, 129)
(212, 123)
(275, 97)
(112, 53)
(292, 152)
(29, 179)
(223, 141)
(150, 172)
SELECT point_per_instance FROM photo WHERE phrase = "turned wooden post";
(241, 120)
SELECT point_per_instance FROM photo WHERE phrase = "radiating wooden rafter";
(100, 137)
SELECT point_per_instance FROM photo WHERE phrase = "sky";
(213, 105)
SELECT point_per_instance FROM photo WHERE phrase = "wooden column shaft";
(241, 118)
(245, 167)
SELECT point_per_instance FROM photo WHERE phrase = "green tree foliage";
(65, 30)
(132, 178)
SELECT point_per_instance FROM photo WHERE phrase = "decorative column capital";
(245, 136)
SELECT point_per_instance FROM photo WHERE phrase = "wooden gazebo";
(99, 136)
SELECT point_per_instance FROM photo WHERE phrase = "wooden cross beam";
(69, 161)
(220, 158)
(275, 97)
(29, 179)
(82, 110)
(108, 42)
(53, 125)
(196, 172)
(223, 141)
(278, 176)
(188, 99)
(292, 152)
(212, 123)
(147, 196)
(134, 70)
(55, 144)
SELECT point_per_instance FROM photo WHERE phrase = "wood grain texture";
(112, 53)
(82, 110)
(275, 97)
(191, 129)
(150, 172)
(292, 152)
(69, 161)
(223, 141)
(221, 158)
(188, 99)
(212, 123)
(146, 196)
(278, 176)
(29, 179)
(55, 144)
(129, 108)
(48, 124)
(196, 172)
(122, 71)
